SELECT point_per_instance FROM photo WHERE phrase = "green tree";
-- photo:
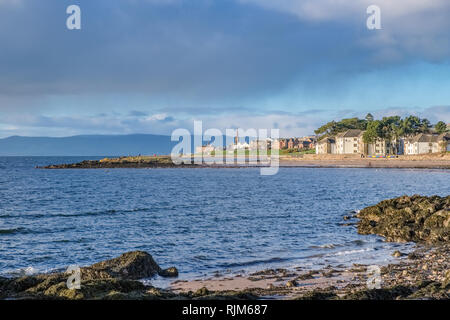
(390, 131)
(369, 117)
(372, 132)
(333, 127)
(440, 127)
(425, 126)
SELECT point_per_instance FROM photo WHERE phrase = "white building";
(427, 143)
(326, 146)
(349, 142)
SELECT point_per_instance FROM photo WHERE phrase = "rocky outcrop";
(130, 265)
(416, 218)
(110, 279)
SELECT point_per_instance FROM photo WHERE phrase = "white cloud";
(338, 9)
(412, 27)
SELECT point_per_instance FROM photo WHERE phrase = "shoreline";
(413, 272)
(423, 274)
(420, 162)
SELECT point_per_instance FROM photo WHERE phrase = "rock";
(110, 279)
(291, 283)
(169, 272)
(413, 256)
(347, 217)
(416, 218)
(397, 254)
(130, 265)
(306, 276)
(202, 292)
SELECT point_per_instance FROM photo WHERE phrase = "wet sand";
(421, 274)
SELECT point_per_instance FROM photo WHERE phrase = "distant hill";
(86, 145)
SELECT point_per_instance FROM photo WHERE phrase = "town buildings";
(427, 143)
(351, 142)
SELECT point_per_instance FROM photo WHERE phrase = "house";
(326, 145)
(283, 143)
(290, 143)
(207, 149)
(350, 142)
(259, 144)
(427, 143)
(379, 148)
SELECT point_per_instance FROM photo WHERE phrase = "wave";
(253, 262)
(75, 215)
(326, 246)
(29, 271)
(336, 245)
(340, 253)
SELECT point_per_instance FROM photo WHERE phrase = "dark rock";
(403, 219)
(169, 272)
(110, 279)
(130, 265)
(397, 254)
(291, 283)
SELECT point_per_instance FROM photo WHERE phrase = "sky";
(151, 66)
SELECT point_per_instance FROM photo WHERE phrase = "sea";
(204, 221)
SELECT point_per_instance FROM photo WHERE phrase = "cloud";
(338, 9)
(289, 124)
(154, 65)
(409, 27)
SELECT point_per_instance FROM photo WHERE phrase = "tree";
(373, 131)
(440, 127)
(425, 126)
(369, 117)
(333, 127)
(390, 131)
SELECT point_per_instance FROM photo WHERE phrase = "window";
(355, 145)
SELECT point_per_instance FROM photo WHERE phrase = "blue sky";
(150, 66)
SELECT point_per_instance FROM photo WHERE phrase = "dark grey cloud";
(195, 51)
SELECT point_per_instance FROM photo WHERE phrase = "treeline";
(388, 128)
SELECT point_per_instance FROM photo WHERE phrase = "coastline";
(423, 274)
(432, 161)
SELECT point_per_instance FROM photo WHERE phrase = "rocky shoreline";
(292, 162)
(422, 274)
(404, 219)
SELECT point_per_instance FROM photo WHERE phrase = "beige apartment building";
(427, 143)
(326, 146)
(349, 142)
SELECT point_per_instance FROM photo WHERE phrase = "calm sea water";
(199, 220)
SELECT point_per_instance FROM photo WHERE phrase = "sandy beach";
(423, 274)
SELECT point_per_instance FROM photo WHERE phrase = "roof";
(422, 137)
(327, 140)
(351, 133)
